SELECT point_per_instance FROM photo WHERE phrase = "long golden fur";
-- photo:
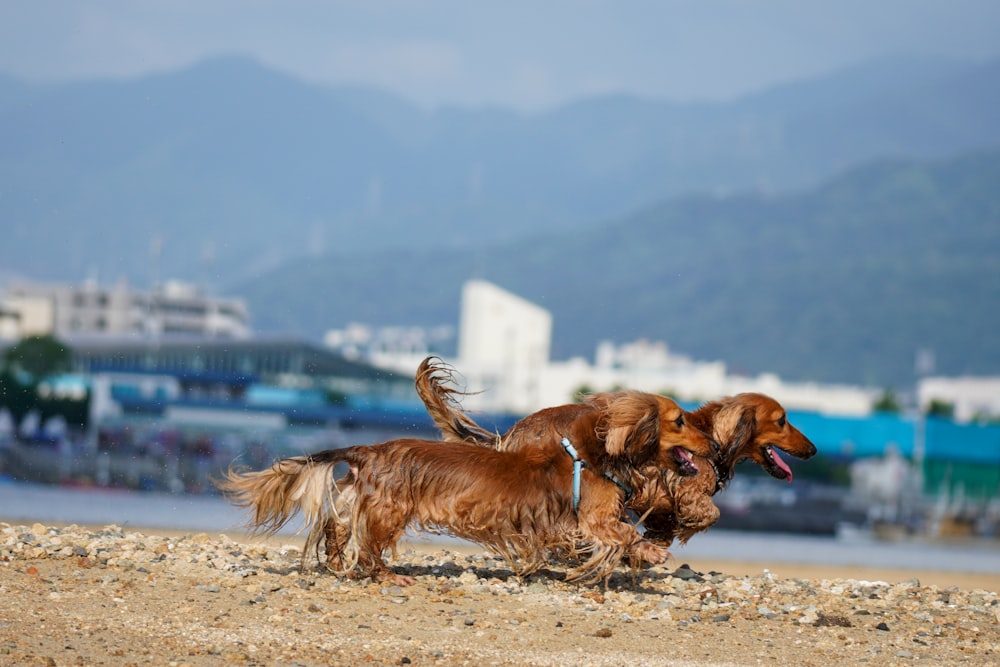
(744, 426)
(752, 426)
(520, 504)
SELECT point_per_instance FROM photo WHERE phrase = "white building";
(65, 310)
(24, 315)
(503, 346)
(10, 323)
(972, 397)
(399, 348)
(503, 358)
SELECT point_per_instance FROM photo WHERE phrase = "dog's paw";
(395, 579)
(403, 580)
(648, 552)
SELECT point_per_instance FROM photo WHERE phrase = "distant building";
(971, 397)
(290, 389)
(10, 322)
(503, 357)
(22, 316)
(219, 368)
(67, 310)
(397, 345)
(503, 346)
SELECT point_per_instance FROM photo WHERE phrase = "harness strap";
(577, 471)
(620, 484)
(578, 465)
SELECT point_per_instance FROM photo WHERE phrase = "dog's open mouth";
(685, 463)
(775, 466)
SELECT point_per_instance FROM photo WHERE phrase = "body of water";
(28, 503)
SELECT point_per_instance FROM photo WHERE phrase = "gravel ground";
(80, 596)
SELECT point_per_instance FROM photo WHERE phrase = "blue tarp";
(969, 443)
(861, 437)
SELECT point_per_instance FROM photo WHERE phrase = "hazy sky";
(524, 54)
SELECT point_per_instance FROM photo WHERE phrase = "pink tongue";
(778, 462)
(686, 455)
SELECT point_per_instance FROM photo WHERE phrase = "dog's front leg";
(661, 528)
(647, 551)
(600, 518)
(609, 537)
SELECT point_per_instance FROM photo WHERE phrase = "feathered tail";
(299, 484)
(455, 425)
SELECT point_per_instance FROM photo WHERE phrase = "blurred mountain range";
(822, 230)
(844, 282)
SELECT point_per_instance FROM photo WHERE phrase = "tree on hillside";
(887, 402)
(18, 398)
(37, 357)
(22, 369)
(942, 409)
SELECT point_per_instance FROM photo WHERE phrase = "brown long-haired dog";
(752, 426)
(744, 426)
(523, 505)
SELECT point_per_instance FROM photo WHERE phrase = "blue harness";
(578, 464)
(577, 471)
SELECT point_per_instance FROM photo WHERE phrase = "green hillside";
(230, 167)
(844, 282)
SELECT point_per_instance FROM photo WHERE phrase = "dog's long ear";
(733, 428)
(631, 426)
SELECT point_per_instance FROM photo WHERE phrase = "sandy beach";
(72, 595)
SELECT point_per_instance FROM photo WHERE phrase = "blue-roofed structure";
(862, 437)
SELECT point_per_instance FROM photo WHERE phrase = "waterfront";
(24, 503)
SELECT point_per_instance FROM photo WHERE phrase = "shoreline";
(735, 567)
(963, 563)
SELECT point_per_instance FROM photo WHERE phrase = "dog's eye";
(679, 421)
(781, 421)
